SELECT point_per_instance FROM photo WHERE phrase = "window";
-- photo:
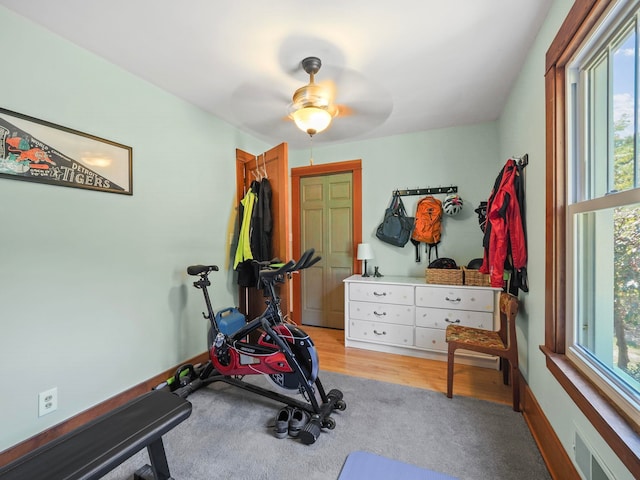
(592, 267)
(603, 213)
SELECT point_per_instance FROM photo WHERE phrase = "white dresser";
(406, 316)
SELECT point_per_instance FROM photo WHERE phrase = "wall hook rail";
(522, 161)
(426, 191)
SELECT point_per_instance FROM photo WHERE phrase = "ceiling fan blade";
(252, 93)
(362, 103)
(351, 126)
(344, 111)
(259, 106)
(329, 87)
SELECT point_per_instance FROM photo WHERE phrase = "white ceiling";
(400, 67)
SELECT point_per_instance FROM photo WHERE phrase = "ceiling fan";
(347, 101)
(312, 108)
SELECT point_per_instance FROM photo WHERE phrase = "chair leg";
(450, 357)
(505, 366)
(515, 384)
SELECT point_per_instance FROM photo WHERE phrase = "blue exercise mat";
(369, 466)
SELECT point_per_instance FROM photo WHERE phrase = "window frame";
(619, 431)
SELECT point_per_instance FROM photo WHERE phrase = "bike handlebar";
(269, 274)
(303, 259)
(312, 262)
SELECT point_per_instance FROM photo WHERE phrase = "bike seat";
(200, 269)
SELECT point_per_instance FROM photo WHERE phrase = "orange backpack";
(428, 224)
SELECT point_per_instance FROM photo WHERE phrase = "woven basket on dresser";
(475, 278)
(445, 276)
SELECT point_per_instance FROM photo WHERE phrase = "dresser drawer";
(440, 318)
(431, 339)
(382, 312)
(366, 292)
(480, 300)
(381, 332)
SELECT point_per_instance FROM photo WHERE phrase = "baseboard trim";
(553, 453)
(76, 421)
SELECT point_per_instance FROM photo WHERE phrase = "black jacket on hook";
(262, 222)
(260, 230)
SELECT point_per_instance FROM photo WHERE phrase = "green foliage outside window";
(626, 257)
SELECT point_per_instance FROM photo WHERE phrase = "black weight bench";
(94, 449)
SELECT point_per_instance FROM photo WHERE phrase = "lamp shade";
(312, 119)
(365, 252)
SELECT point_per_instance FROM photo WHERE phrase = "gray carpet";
(228, 436)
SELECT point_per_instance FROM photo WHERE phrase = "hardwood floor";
(482, 383)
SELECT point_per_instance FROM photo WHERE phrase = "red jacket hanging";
(505, 233)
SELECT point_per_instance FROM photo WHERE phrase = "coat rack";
(426, 191)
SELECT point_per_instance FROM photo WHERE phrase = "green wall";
(93, 291)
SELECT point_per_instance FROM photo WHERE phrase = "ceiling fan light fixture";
(312, 108)
(312, 119)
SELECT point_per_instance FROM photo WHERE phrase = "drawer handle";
(383, 294)
(452, 300)
(379, 314)
(378, 333)
(457, 320)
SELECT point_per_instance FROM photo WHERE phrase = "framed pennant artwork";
(38, 151)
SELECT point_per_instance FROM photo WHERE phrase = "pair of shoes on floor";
(290, 421)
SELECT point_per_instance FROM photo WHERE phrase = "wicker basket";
(444, 276)
(475, 278)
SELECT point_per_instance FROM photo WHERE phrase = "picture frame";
(39, 151)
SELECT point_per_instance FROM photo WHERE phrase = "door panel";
(326, 211)
(298, 238)
(336, 295)
(311, 301)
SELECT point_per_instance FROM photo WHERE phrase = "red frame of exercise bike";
(268, 364)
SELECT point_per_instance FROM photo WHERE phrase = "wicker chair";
(501, 343)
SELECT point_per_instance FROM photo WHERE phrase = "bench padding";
(97, 447)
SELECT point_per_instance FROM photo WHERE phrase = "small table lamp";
(365, 253)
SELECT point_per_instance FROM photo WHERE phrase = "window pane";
(607, 248)
(623, 84)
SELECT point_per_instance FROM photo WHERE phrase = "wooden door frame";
(353, 166)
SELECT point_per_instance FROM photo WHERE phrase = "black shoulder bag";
(396, 227)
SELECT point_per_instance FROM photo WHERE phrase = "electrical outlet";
(47, 401)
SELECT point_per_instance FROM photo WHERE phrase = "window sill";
(609, 423)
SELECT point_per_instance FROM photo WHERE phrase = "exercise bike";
(283, 352)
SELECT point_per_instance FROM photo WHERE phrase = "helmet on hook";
(452, 204)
